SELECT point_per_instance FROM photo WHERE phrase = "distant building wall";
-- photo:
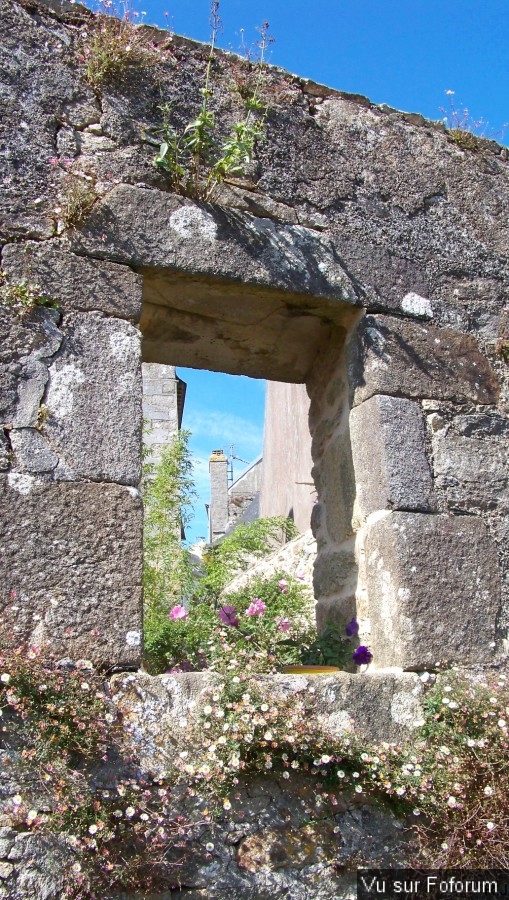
(244, 496)
(163, 404)
(287, 486)
(218, 508)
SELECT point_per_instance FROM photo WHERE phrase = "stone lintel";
(144, 227)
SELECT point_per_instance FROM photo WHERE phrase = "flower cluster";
(258, 629)
(68, 730)
(243, 732)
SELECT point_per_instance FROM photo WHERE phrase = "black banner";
(427, 884)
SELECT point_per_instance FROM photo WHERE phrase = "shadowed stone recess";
(76, 283)
(391, 468)
(28, 341)
(422, 614)
(57, 584)
(404, 358)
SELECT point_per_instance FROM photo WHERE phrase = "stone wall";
(163, 406)
(364, 254)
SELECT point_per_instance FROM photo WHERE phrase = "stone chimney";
(218, 510)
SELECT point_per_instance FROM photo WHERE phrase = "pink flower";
(284, 624)
(283, 586)
(256, 608)
(228, 615)
(178, 612)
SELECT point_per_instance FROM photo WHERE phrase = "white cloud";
(222, 429)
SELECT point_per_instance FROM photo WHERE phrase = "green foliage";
(65, 737)
(465, 131)
(63, 713)
(77, 199)
(23, 296)
(168, 576)
(450, 779)
(464, 139)
(112, 47)
(274, 620)
(331, 648)
(198, 159)
(241, 548)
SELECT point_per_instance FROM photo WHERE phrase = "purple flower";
(352, 627)
(256, 608)
(284, 624)
(362, 656)
(228, 615)
(283, 586)
(178, 612)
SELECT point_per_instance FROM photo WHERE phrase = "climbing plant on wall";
(198, 158)
(168, 496)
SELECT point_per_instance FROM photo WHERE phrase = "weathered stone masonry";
(365, 254)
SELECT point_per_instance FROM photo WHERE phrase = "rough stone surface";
(388, 447)
(76, 283)
(157, 710)
(470, 462)
(32, 453)
(4, 452)
(58, 586)
(392, 356)
(421, 614)
(28, 341)
(336, 486)
(150, 228)
(91, 422)
(346, 206)
(296, 559)
(95, 411)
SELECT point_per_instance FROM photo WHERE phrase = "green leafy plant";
(113, 46)
(23, 295)
(333, 647)
(503, 350)
(61, 731)
(465, 131)
(450, 779)
(78, 197)
(242, 548)
(168, 575)
(259, 628)
(198, 159)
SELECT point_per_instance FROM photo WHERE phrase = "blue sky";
(406, 53)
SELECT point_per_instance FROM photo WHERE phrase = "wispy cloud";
(219, 430)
